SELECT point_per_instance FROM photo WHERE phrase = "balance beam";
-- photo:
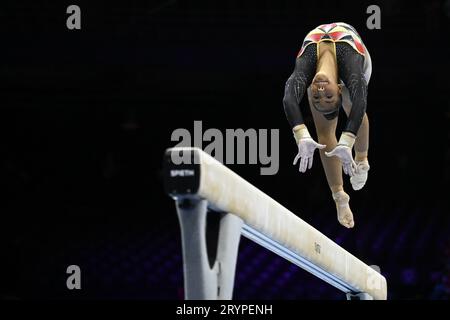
(202, 183)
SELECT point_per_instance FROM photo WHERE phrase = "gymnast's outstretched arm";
(350, 65)
(298, 82)
(350, 68)
(295, 89)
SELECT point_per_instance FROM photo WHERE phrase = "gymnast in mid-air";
(334, 67)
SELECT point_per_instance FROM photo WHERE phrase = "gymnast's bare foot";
(345, 215)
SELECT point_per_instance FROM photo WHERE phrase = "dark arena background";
(87, 114)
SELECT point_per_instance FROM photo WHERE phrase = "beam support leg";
(227, 253)
(201, 281)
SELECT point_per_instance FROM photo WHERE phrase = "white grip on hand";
(344, 152)
(300, 132)
(347, 139)
(306, 147)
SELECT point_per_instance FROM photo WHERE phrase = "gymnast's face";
(325, 93)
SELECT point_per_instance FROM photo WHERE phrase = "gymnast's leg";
(361, 145)
(326, 133)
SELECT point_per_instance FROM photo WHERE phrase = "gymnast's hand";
(344, 152)
(306, 147)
